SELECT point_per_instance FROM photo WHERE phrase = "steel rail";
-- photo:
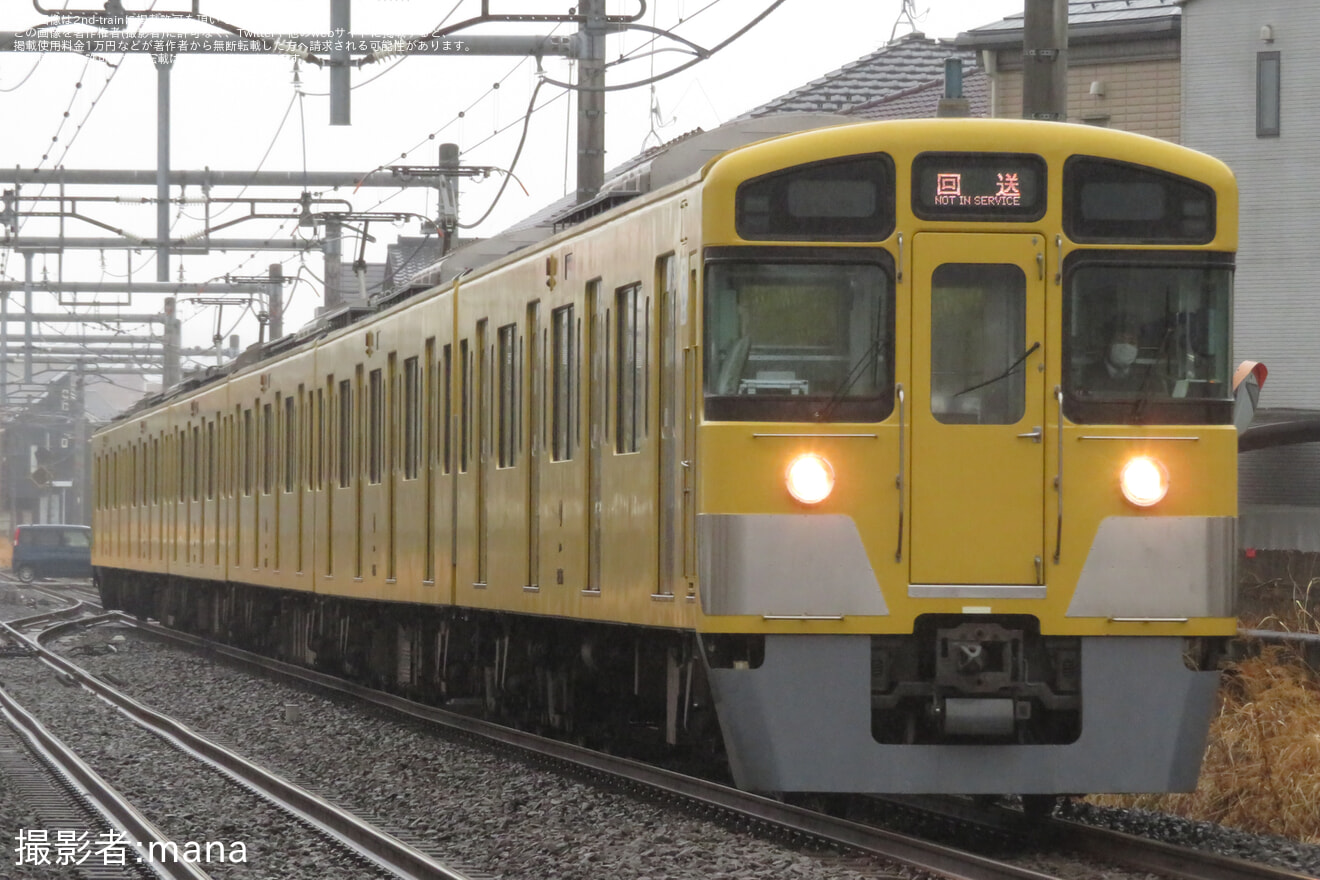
(1126, 850)
(100, 795)
(1165, 859)
(945, 861)
(380, 848)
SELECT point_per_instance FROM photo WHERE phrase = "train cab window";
(805, 335)
(1147, 339)
(977, 327)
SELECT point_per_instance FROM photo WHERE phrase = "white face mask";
(1122, 354)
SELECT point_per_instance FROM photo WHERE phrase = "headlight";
(1144, 480)
(810, 478)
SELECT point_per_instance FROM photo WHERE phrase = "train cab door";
(978, 369)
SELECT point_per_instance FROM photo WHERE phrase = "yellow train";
(888, 457)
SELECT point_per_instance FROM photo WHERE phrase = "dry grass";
(1262, 761)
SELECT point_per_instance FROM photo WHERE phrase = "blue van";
(49, 551)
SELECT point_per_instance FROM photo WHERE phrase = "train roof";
(649, 171)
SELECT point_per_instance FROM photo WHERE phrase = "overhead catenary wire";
(508, 175)
(680, 68)
(15, 88)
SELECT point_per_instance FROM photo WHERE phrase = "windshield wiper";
(1144, 392)
(1008, 372)
(856, 372)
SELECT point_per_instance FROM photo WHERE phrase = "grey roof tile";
(923, 101)
(1083, 16)
(908, 62)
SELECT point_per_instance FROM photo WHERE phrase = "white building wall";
(1277, 290)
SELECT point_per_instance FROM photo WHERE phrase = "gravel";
(499, 816)
(484, 811)
(255, 840)
(1207, 836)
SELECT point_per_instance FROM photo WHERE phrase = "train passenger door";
(978, 456)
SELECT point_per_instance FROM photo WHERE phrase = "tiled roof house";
(1124, 64)
(910, 65)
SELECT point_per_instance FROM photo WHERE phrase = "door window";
(978, 350)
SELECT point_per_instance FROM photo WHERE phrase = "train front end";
(966, 483)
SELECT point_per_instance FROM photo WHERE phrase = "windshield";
(1148, 344)
(798, 341)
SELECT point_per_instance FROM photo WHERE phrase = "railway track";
(71, 799)
(773, 817)
(736, 808)
(379, 852)
(1130, 851)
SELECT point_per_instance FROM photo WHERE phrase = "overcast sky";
(228, 112)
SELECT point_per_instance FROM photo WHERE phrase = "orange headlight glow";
(1144, 481)
(810, 478)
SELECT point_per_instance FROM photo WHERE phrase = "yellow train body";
(571, 435)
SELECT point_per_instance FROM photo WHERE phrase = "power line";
(508, 175)
(40, 58)
(702, 56)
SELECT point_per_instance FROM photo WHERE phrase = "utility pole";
(173, 342)
(1045, 60)
(163, 65)
(591, 101)
(275, 301)
(340, 85)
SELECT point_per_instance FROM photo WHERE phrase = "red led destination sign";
(978, 186)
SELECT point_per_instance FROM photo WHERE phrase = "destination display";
(978, 186)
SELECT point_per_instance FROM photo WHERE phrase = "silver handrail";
(1058, 478)
(902, 464)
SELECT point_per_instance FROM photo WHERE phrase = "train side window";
(290, 443)
(375, 425)
(180, 440)
(133, 500)
(563, 357)
(632, 350)
(196, 462)
(344, 442)
(507, 413)
(444, 414)
(267, 449)
(977, 330)
(210, 460)
(412, 418)
(318, 443)
(465, 391)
